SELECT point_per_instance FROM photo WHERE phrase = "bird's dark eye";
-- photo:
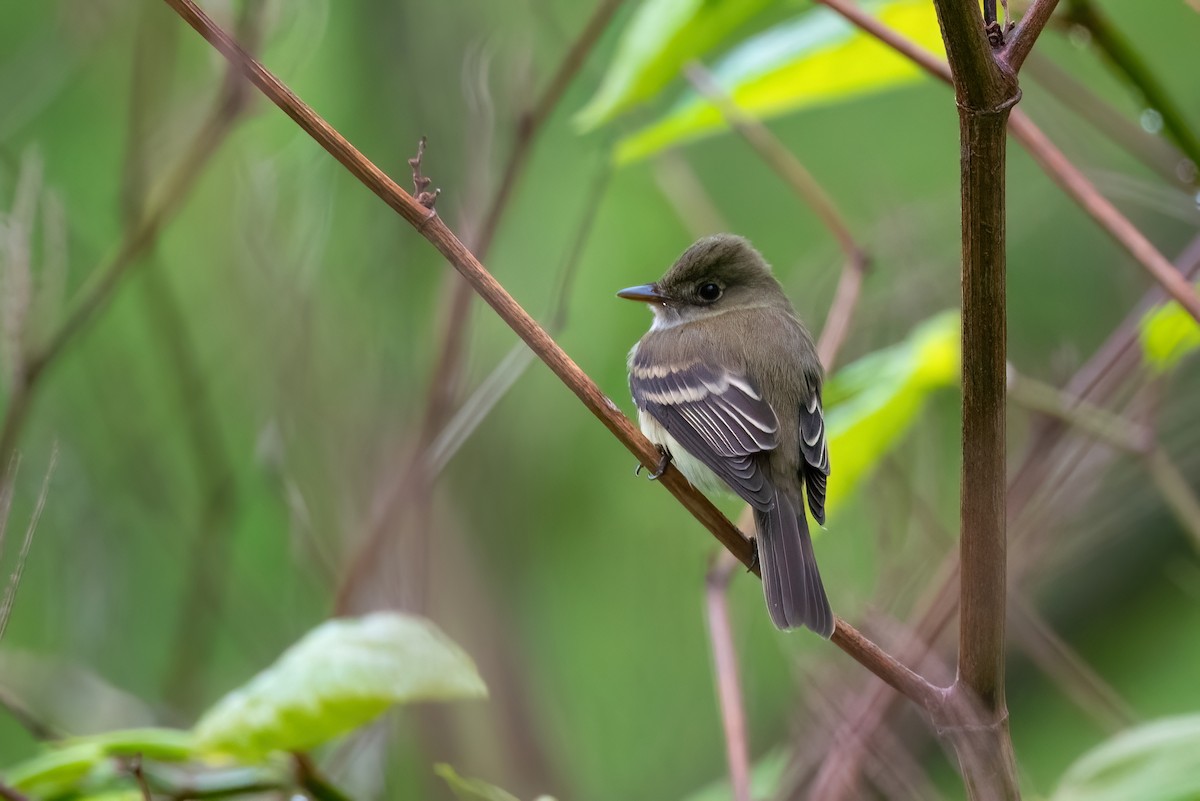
(709, 292)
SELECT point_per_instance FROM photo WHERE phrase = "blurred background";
(256, 424)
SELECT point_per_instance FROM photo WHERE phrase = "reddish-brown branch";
(431, 227)
(977, 717)
(1020, 43)
(729, 687)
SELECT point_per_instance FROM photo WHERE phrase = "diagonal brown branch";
(431, 227)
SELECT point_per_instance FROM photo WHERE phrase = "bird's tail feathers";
(795, 595)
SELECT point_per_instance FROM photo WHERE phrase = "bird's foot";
(664, 462)
(754, 566)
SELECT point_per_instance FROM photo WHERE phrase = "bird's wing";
(718, 416)
(815, 448)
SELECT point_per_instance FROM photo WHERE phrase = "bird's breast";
(694, 470)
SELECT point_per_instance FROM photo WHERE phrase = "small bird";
(727, 383)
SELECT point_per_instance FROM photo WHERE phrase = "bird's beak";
(646, 293)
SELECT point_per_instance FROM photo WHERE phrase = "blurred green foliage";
(231, 426)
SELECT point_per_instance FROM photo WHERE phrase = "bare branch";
(14, 581)
(729, 686)
(1021, 41)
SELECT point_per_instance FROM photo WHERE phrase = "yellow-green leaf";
(871, 403)
(662, 35)
(1152, 762)
(1168, 334)
(816, 59)
(340, 676)
(56, 770)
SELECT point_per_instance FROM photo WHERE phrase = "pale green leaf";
(1153, 762)
(872, 403)
(765, 776)
(56, 770)
(1168, 334)
(659, 39)
(466, 789)
(68, 765)
(816, 59)
(340, 676)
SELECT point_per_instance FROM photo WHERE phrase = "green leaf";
(1152, 762)
(56, 770)
(465, 789)
(66, 766)
(1168, 334)
(341, 675)
(765, 776)
(660, 38)
(873, 402)
(816, 59)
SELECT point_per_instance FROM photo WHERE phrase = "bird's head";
(716, 274)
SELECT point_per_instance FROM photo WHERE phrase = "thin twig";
(1176, 491)
(1102, 424)
(784, 164)
(431, 227)
(310, 778)
(37, 728)
(1021, 42)
(14, 581)
(8, 487)
(135, 768)
(725, 665)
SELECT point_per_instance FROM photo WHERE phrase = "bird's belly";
(694, 470)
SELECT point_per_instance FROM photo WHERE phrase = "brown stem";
(725, 665)
(984, 93)
(1021, 41)
(784, 164)
(430, 226)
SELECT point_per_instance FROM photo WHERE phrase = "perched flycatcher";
(728, 384)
